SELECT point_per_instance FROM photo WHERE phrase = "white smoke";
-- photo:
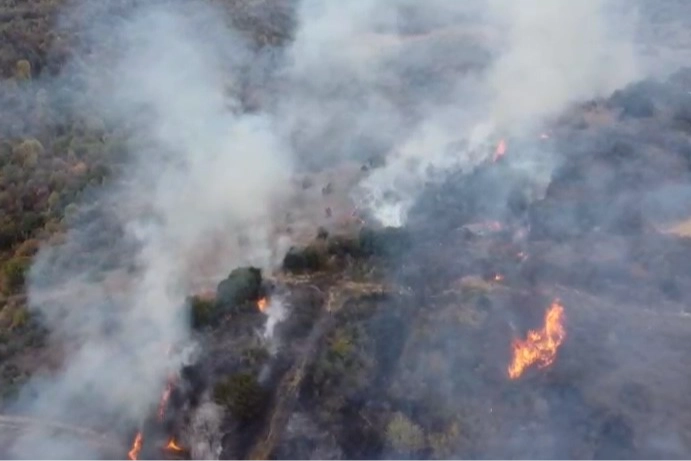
(549, 56)
(426, 84)
(204, 433)
(199, 168)
(276, 311)
(558, 53)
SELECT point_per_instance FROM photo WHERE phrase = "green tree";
(242, 394)
(13, 272)
(28, 152)
(403, 435)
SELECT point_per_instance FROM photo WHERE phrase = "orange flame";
(136, 447)
(540, 346)
(262, 304)
(498, 277)
(173, 446)
(500, 151)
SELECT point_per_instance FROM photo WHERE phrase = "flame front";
(540, 346)
(136, 447)
(262, 304)
(173, 446)
(498, 277)
(500, 151)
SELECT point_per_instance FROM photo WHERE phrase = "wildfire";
(262, 304)
(173, 446)
(498, 277)
(540, 346)
(500, 151)
(136, 447)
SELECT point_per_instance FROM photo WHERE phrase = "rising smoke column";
(198, 166)
(545, 57)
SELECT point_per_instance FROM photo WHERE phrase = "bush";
(444, 444)
(20, 317)
(241, 394)
(243, 285)
(22, 70)
(309, 259)
(403, 435)
(202, 311)
(13, 274)
(28, 152)
(341, 345)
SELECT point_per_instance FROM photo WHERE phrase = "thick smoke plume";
(555, 54)
(425, 87)
(198, 168)
(545, 57)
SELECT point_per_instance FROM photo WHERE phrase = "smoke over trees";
(166, 164)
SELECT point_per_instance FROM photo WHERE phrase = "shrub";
(241, 394)
(341, 345)
(28, 152)
(13, 274)
(22, 70)
(242, 286)
(403, 435)
(444, 444)
(20, 317)
(312, 258)
(202, 311)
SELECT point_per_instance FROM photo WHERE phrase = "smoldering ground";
(419, 87)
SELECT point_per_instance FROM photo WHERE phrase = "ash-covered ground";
(416, 364)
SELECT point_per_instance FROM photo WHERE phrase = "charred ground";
(397, 340)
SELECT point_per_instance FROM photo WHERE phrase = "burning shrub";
(243, 286)
(241, 394)
(403, 435)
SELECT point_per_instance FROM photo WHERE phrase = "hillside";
(265, 229)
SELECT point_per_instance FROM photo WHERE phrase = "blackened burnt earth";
(424, 375)
(419, 369)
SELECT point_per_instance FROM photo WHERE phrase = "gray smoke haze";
(198, 168)
(547, 57)
(428, 86)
